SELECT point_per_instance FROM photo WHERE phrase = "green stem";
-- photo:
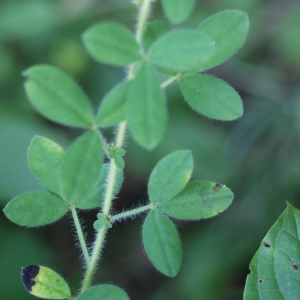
(121, 134)
(132, 212)
(142, 18)
(170, 80)
(80, 236)
(112, 175)
(104, 143)
(94, 258)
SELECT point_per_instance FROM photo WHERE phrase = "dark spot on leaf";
(27, 274)
(260, 281)
(295, 266)
(217, 186)
(267, 245)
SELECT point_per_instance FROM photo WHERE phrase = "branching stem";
(170, 80)
(132, 212)
(94, 258)
(142, 19)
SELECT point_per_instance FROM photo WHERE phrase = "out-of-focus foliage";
(257, 156)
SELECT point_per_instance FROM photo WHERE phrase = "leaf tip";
(148, 146)
(4, 210)
(84, 37)
(25, 76)
(28, 273)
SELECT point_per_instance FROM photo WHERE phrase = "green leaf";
(162, 243)
(181, 50)
(275, 267)
(153, 31)
(229, 30)
(119, 162)
(120, 152)
(146, 108)
(198, 200)
(35, 209)
(177, 11)
(111, 154)
(108, 225)
(44, 283)
(170, 176)
(81, 168)
(57, 97)
(102, 221)
(44, 158)
(112, 108)
(101, 216)
(111, 43)
(103, 291)
(212, 97)
(94, 197)
(99, 224)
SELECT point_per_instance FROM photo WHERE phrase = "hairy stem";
(121, 134)
(80, 236)
(98, 245)
(102, 232)
(142, 20)
(104, 143)
(170, 80)
(112, 175)
(94, 258)
(132, 212)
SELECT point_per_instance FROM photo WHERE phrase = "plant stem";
(121, 134)
(104, 143)
(94, 258)
(112, 174)
(170, 80)
(142, 18)
(80, 236)
(102, 232)
(132, 212)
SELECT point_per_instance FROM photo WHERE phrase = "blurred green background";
(257, 156)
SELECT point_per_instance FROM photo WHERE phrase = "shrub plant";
(89, 174)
